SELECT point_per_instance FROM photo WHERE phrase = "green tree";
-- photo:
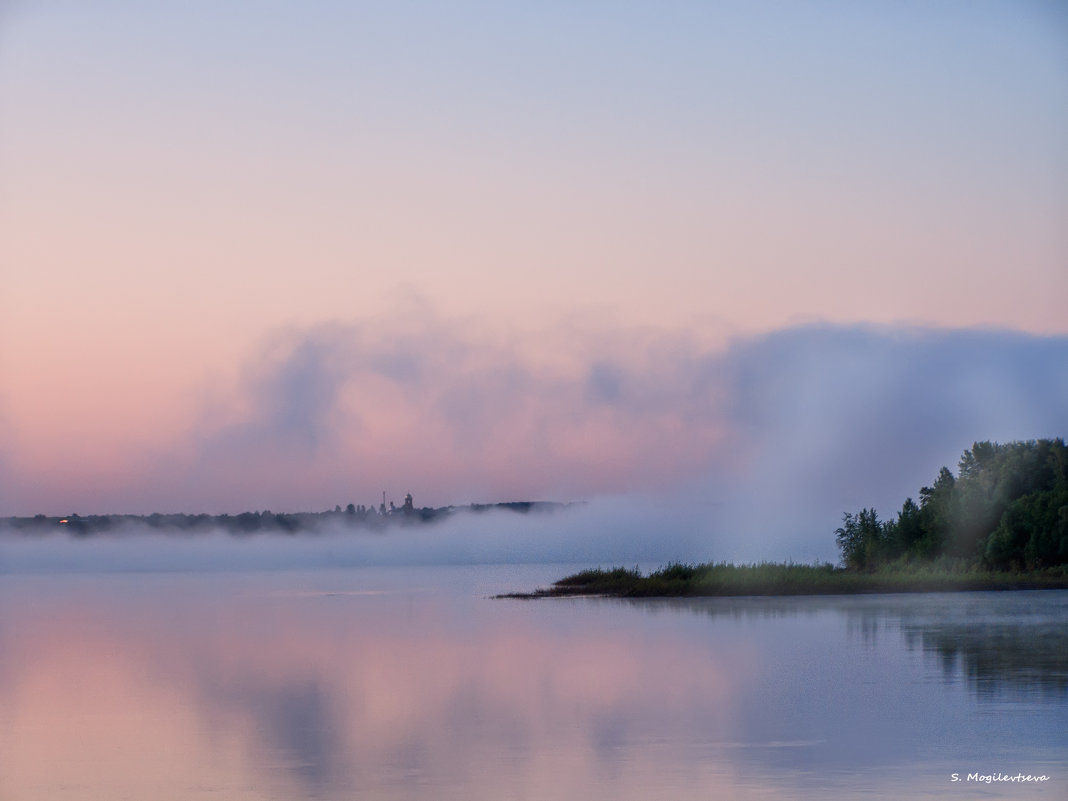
(936, 508)
(907, 531)
(1007, 507)
(861, 539)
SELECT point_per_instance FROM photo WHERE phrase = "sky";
(270, 255)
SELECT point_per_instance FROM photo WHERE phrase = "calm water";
(409, 683)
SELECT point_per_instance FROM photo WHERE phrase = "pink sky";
(179, 196)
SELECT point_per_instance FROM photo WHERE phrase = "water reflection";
(339, 686)
(1001, 644)
(1015, 648)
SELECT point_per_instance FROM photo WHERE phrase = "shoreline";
(778, 579)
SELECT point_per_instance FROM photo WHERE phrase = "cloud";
(762, 443)
(829, 419)
(455, 414)
(749, 450)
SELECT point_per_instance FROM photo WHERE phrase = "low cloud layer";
(752, 450)
(610, 531)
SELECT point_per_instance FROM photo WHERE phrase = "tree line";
(356, 517)
(1006, 509)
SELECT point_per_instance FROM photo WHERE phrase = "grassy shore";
(769, 578)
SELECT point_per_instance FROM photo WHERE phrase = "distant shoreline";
(352, 517)
(783, 579)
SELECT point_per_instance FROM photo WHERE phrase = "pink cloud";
(824, 417)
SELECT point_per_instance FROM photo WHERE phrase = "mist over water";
(347, 661)
(752, 452)
(604, 532)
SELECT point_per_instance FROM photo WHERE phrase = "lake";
(412, 683)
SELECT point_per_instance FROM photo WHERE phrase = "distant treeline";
(355, 517)
(1006, 509)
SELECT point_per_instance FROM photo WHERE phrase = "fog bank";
(750, 451)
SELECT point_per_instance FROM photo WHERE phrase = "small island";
(1000, 524)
